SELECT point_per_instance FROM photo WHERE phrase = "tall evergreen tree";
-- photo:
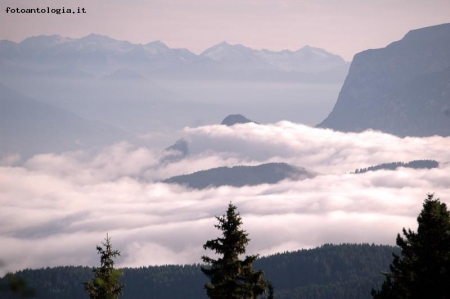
(106, 284)
(423, 269)
(230, 277)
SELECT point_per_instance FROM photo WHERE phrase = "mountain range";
(97, 55)
(402, 89)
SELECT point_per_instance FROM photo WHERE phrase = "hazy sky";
(343, 27)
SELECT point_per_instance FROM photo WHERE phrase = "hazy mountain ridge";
(239, 176)
(306, 59)
(153, 90)
(101, 55)
(28, 126)
(403, 89)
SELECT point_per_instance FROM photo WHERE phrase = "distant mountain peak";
(318, 53)
(96, 37)
(43, 37)
(229, 54)
(233, 119)
(309, 48)
(44, 40)
(224, 43)
(157, 43)
(156, 47)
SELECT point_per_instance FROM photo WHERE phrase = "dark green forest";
(330, 271)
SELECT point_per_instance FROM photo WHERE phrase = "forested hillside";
(416, 164)
(238, 176)
(330, 271)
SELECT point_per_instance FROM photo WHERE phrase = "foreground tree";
(423, 270)
(16, 286)
(232, 278)
(270, 288)
(106, 284)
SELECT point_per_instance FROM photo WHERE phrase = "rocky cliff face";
(403, 89)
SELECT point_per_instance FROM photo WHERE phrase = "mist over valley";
(326, 160)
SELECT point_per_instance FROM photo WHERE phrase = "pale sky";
(343, 27)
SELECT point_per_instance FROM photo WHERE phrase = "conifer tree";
(423, 269)
(106, 284)
(270, 288)
(17, 286)
(230, 277)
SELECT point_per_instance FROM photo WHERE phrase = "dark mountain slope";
(403, 89)
(416, 164)
(238, 176)
(233, 119)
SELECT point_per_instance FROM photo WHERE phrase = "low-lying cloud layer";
(56, 208)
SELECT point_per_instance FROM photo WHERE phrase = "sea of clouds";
(55, 208)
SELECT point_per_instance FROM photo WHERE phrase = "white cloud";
(323, 150)
(62, 206)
